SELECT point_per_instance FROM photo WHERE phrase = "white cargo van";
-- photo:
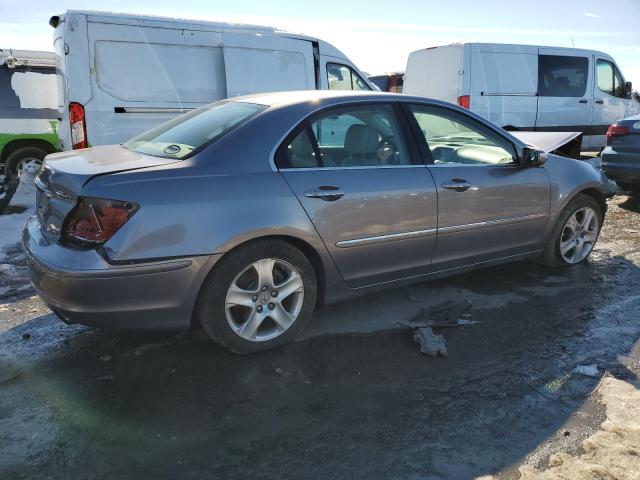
(525, 87)
(122, 74)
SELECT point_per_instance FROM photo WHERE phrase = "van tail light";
(464, 101)
(93, 221)
(78, 126)
(616, 130)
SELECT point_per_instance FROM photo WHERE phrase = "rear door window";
(562, 76)
(358, 136)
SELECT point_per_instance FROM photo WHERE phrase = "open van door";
(266, 63)
(564, 91)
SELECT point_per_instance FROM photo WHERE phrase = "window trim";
(404, 126)
(421, 139)
(352, 72)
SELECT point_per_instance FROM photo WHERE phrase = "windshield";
(179, 137)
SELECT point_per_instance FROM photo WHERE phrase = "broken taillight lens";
(93, 221)
(78, 126)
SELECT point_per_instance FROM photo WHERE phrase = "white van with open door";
(122, 74)
(526, 87)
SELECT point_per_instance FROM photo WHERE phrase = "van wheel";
(26, 157)
(258, 297)
(575, 233)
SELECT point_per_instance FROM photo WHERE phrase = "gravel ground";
(353, 398)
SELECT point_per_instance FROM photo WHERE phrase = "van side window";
(609, 79)
(341, 77)
(562, 76)
(453, 138)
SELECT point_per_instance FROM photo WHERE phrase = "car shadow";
(631, 204)
(149, 405)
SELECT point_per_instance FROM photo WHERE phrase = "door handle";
(600, 102)
(583, 101)
(457, 184)
(328, 193)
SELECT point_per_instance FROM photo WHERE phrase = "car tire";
(562, 233)
(232, 302)
(21, 155)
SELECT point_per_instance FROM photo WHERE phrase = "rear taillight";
(93, 221)
(616, 130)
(78, 126)
(464, 101)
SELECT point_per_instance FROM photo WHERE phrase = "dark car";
(389, 82)
(621, 156)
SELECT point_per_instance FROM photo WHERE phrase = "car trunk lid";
(64, 175)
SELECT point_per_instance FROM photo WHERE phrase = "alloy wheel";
(579, 235)
(264, 300)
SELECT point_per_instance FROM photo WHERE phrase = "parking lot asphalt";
(353, 398)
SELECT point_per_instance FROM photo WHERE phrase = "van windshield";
(179, 137)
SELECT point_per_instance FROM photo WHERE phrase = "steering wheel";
(387, 150)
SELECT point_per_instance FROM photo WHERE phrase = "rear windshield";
(179, 137)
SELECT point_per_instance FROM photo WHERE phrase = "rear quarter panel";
(224, 196)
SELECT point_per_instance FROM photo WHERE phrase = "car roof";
(326, 97)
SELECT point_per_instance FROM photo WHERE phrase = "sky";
(377, 36)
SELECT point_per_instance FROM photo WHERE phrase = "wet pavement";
(353, 398)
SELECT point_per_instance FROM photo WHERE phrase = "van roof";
(154, 20)
(514, 46)
(186, 23)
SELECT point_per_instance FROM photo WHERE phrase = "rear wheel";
(575, 234)
(26, 158)
(258, 297)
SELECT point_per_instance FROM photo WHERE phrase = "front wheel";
(576, 232)
(258, 297)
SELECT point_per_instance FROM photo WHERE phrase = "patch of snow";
(11, 223)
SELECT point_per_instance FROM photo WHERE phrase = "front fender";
(568, 177)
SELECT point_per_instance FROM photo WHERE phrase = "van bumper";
(82, 287)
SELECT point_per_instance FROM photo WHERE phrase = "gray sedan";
(246, 214)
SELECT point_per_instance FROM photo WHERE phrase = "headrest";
(361, 140)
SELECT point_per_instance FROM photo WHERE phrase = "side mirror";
(530, 157)
(628, 88)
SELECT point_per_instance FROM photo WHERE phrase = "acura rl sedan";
(246, 214)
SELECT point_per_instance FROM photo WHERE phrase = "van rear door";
(564, 91)
(267, 63)
(143, 75)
